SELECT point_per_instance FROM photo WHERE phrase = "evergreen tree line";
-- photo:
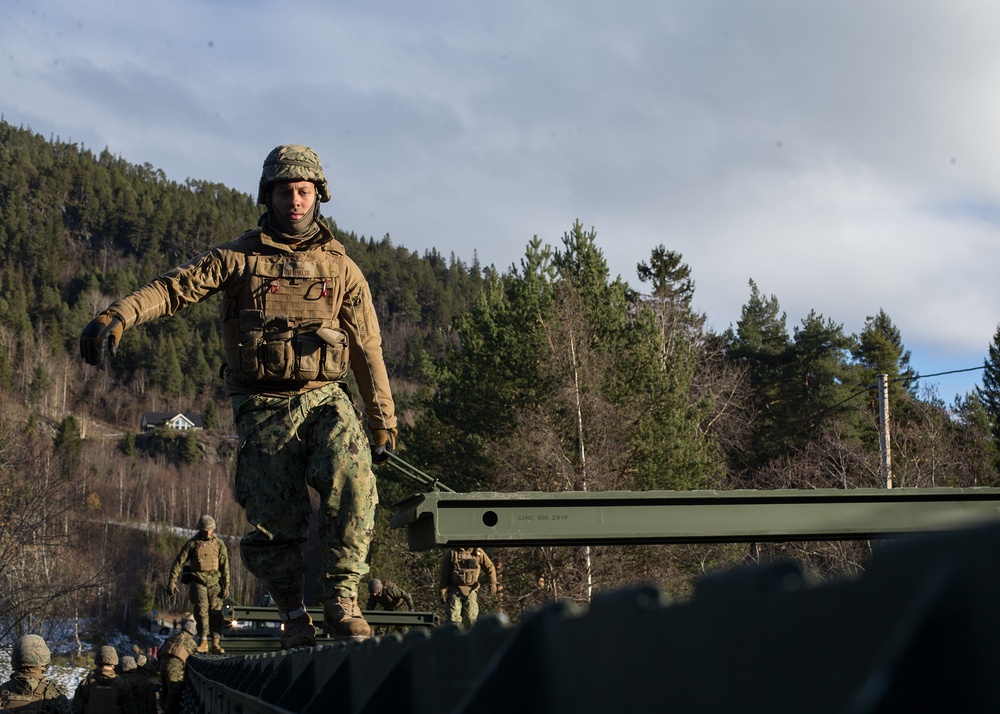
(551, 375)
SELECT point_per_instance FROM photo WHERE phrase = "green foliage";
(127, 445)
(69, 443)
(41, 383)
(989, 393)
(209, 417)
(189, 451)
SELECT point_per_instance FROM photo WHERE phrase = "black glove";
(383, 444)
(102, 333)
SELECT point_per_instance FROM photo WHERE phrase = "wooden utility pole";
(883, 423)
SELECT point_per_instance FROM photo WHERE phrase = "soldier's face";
(292, 203)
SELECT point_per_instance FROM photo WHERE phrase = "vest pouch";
(250, 343)
(466, 570)
(277, 353)
(336, 355)
(309, 353)
(469, 577)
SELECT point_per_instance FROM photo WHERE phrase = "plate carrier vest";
(204, 557)
(465, 566)
(24, 702)
(282, 328)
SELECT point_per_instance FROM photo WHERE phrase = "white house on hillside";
(180, 421)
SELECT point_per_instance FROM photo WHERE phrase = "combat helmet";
(292, 162)
(30, 651)
(129, 664)
(190, 626)
(106, 656)
(374, 586)
(206, 522)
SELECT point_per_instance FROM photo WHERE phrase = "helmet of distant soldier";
(374, 586)
(292, 162)
(190, 626)
(107, 656)
(128, 663)
(30, 651)
(206, 523)
(140, 660)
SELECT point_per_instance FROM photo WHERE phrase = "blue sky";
(842, 155)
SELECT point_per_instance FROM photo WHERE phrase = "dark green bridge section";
(257, 629)
(438, 519)
(918, 631)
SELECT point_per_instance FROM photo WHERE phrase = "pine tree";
(760, 345)
(989, 393)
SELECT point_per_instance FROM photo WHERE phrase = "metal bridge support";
(622, 517)
(919, 631)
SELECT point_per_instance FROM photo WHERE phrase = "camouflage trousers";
(207, 606)
(462, 609)
(286, 444)
(172, 682)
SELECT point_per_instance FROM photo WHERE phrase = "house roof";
(152, 418)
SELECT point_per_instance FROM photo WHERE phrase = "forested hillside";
(549, 376)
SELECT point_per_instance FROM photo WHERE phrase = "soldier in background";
(28, 688)
(388, 596)
(459, 583)
(207, 561)
(296, 315)
(103, 692)
(173, 661)
(143, 695)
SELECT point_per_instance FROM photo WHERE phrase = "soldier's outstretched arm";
(185, 285)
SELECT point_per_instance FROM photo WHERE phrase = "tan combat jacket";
(461, 568)
(232, 268)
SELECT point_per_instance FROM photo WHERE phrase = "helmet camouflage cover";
(30, 651)
(206, 522)
(292, 162)
(106, 655)
(189, 626)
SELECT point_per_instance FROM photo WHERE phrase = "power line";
(937, 374)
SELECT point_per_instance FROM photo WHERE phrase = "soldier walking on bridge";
(296, 313)
(204, 559)
(459, 582)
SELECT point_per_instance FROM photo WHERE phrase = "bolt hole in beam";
(490, 519)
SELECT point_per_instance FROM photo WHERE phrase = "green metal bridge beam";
(438, 519)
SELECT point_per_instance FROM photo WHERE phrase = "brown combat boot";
(342, 618)
(216, 647)
(298, 631)
(203, 645)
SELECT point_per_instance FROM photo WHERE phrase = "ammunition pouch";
(465, 570)
(186, 575)
(276, 349)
